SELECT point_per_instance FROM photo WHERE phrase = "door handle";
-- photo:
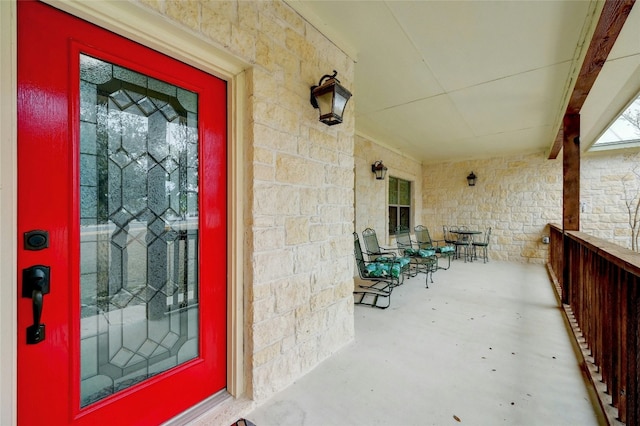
(35, 284)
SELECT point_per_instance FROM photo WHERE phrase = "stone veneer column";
(299, 182)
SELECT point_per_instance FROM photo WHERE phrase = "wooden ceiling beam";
(612, 19)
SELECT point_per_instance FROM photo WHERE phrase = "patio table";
(470, 233)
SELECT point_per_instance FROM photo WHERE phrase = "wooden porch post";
(570, 190)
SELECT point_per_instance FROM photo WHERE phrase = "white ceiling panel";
(470, 42)
(442, 80)
(514, 103)
(407, 119)
(628, 42)
(393, 82)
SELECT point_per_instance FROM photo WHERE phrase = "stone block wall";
(299, 200)
(372, 195)
(517, 196)
(609, 180)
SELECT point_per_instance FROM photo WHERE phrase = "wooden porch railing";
(603, 297)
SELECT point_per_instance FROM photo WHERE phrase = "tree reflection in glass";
(138, 227)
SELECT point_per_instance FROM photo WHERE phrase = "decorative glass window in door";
(138, 227)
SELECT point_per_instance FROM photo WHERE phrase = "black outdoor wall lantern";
(331, 98)
(471, 179)
(379, 169)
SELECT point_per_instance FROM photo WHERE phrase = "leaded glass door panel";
(130, 148)
(138, 227)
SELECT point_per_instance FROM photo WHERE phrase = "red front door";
(121, 220)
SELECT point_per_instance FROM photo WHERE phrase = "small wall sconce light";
(331, 98)
(379, 169)
(471, 179)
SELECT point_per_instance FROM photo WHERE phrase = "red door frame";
(48, 379)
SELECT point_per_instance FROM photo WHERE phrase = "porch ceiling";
(449, 80)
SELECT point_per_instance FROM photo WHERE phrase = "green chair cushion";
(426, 253)
(381, 269)
(403, 261)
(419, 253)
(410, 252)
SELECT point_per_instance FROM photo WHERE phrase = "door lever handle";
(35, 284)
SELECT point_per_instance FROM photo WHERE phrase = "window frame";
(398, 206)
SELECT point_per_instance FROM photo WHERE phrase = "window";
(399, 204)
(624, 132)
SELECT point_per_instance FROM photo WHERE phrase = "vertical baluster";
(632, 416)
(594, 309)
(602, 315)
(585, 303)
(617, 346)
(609, 344)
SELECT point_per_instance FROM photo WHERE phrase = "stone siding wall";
(299, 187)
(372, 195)
(517, 196)
(608, 181)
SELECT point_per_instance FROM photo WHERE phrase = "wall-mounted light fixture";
(379, 169)
(331, 98)
(471, 179)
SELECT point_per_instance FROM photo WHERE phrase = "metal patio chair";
(377, 278)
(374, 252)
(423, 260)
(372, 247)
(449, 237)
(442, 249)
(482, 245)
(463, 244)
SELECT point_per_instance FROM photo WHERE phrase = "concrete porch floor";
(485, 344)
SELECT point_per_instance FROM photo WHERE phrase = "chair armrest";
(387, 250)
(437, 242)
(382, 253)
